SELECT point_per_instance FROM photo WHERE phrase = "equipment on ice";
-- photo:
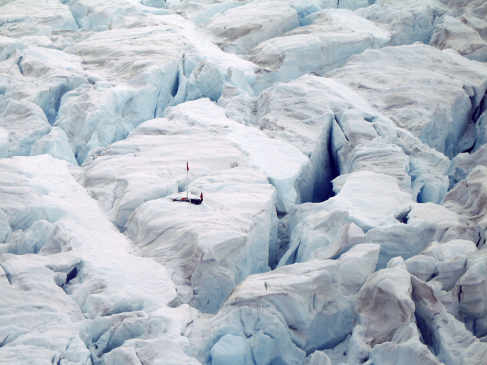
(192, 200)
(186, 198)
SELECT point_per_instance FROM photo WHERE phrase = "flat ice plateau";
(341, 150)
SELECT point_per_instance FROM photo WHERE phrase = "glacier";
(341, 150)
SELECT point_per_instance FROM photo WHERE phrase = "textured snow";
(386, 332)
(466, 21)
(442, 262)
(425, 224)
(453, 33)
(239, 29)
(314, 300)
(454, 344)
(40, 20)
(206, 251)
(412, 105)
(137, 79)
(468, 199)
(326, 43)
(49, 213)
(158, 141)
(324, 230)
(355, 130)
(464, 163)
(340, 147)
(408, 22)
(33, 84)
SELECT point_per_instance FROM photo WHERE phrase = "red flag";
(187, 166)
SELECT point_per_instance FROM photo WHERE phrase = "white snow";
(312, 299)
(239, 29)
(464, 163)
(468, 199)
(40, 192)
(409, 22)
(413, 105)
(453, 33)
(326, 43)
(151, 162)
(210, 248)
(361, 190)
(466, 20)
(340, 149)
(24, 18)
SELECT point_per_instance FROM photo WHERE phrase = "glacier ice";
(452, 33)
(190, 124)
(313, 300)
(34, 83)
(222, 250)
(407, 22)
(438, 327)
(344, 133)
(42, 19)
(467, 198)
(386, 332)
(342, 165)
(326, 43)
(22, 124)
(327, 229)
(464, 163)
(81, 254)
(453, 102)
(239, 29)
(464, 20)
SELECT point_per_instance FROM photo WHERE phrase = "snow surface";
(340, 147)
(313, 47)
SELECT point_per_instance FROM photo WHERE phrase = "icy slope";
(314, 47)
(69, 274)
(340, 147)
(283, 315)
(410, 103)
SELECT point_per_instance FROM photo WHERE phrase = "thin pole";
(187, 181)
